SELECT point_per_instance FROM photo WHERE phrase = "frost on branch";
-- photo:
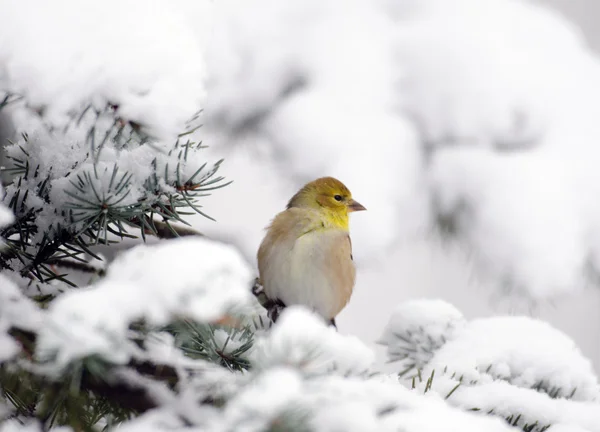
(188, 278)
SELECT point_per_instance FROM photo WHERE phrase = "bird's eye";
(337, 197)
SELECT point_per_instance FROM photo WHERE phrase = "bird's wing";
(283, 232)
(341, 270)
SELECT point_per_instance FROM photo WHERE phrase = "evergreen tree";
(169, 336)
(109, 320)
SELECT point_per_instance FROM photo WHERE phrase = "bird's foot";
(274, 309)
(273, 306)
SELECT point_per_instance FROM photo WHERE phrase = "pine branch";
(77, 265)
(124, 394)
(165, 230)
(127, 395)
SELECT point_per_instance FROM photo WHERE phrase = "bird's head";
(330, 196)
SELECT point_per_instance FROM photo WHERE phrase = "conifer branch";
(125, 394)
(77, 265)
(165, 230)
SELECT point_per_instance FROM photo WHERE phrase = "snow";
(477, 114)
(567, 428)
(6, 216)
(153, 70)
(16, 310)
(157, 420)
(474, 118)
(303, 340)
(317, 98)
(192, 277)
(418, 328)
(14, 425)
(280, 397)
(511, 366)
(8, 347)
(504, 135)
(507, 400)
(122, 174)
(507, 123)
(522, 351)
(263, 400)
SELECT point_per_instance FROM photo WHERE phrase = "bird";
(306, 257)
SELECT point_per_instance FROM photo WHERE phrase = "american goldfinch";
(306, 255)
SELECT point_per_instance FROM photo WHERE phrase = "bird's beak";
(355, 206)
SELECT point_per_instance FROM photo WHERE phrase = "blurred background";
(583, 13)
(467, 128)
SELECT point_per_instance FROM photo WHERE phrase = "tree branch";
(127, 395)
(77, 265)
(164, 232)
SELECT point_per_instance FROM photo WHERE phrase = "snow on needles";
(515, 367)
(418, 328)
(16, 310)
(191, 277)
(523, 351)
(147, 61)
(302, 339)
(280, 398)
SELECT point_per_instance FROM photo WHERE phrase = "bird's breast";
(315, 270)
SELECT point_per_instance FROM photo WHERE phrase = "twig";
(78, 265)
(127, 395)
(164, 232)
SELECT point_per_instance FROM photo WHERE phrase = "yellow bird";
(306, 255)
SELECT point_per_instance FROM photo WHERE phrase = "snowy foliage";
(516, 367)
(98, 178)
(299, 340)
(417, 329)
(14, 426)
(334, 403)
(522, 351)
(101, 144)
(15, 308)
(205, 281)
(459, 120)
(90, 55)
